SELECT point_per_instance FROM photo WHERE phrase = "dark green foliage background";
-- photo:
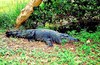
(53, 11)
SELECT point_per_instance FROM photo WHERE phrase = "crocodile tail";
(11, 33)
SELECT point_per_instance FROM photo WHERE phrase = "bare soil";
(16, 43)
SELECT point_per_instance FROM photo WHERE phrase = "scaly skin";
(45, 35)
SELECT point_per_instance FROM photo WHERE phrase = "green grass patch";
(83, 36)
(9, 11)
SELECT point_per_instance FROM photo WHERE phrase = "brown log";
(26, 12)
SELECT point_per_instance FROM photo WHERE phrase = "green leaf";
(42, 5)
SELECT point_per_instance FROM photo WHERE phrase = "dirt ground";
(27, 46)
(15, 43)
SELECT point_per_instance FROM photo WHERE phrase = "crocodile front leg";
(48, 42)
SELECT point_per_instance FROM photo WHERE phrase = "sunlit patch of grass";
(83, 36)
(36, 56)
(66, 57)
(9, 10)
(88, 53)
(6, 5)
(2, 31)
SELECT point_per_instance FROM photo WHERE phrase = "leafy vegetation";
(55, 12)
(81, 14)
(9, 11)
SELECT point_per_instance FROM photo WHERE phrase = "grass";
(9, 10)
(86, 35)
(11, 57)
(6, 5)
(85, 53)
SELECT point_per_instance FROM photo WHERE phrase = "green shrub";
(8, 17)
(54, 11)
(84, 11)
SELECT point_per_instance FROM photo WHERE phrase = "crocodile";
(45, 35)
